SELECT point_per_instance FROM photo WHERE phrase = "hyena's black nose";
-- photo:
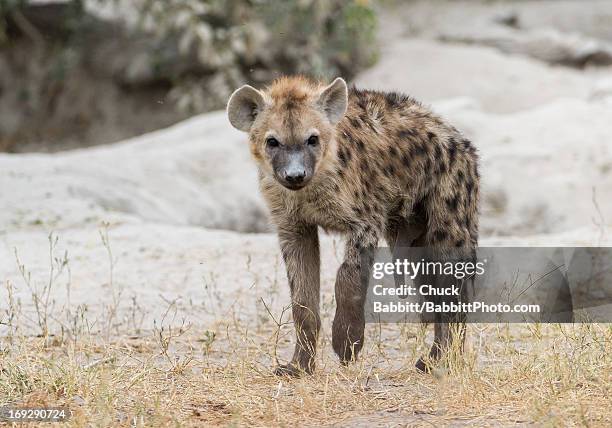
(295, 176)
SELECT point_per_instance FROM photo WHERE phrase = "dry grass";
(182, 375)
(552, 375)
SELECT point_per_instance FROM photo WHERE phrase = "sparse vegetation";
(558, 377)
(177, 374)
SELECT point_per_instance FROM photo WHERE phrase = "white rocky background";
(529, 82)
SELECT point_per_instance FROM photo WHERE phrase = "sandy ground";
(546, 177)
(187, 230)
(543, 133)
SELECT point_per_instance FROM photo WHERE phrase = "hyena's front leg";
(300, 249)
(351, 289)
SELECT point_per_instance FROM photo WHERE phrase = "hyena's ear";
(243, 106)
(334, 100)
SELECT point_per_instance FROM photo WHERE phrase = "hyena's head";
(291, 125)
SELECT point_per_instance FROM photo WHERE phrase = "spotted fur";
(389, 169)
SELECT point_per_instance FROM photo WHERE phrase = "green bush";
(255, 41)
(203, 49)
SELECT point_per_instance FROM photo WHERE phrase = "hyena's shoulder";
(380, 116)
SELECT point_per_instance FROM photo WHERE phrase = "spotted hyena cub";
(369, 165)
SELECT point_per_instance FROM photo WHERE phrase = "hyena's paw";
(423, 366)
(347, 342)
(291, 370)
(347, 350)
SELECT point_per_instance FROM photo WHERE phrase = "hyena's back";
(397, 162)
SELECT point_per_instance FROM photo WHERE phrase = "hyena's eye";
(313, 140)
(272, 142)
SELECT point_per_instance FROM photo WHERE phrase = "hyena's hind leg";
(447, 327)
(448, 331)
(448, 239)
(404, 233)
